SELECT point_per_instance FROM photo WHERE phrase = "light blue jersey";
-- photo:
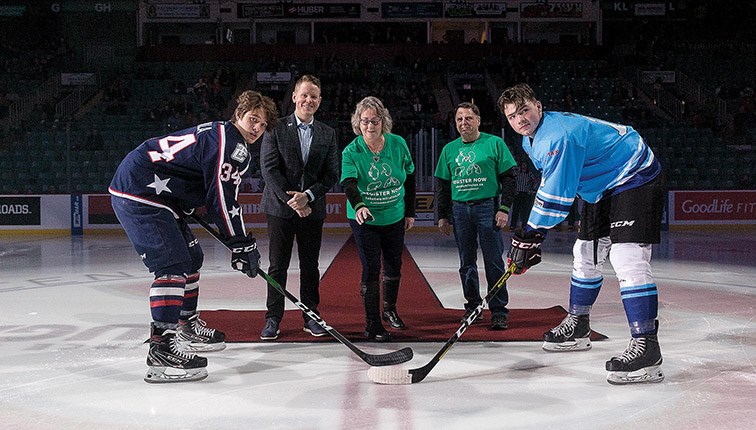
(587, 157)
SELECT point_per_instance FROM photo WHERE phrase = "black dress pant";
(308, 233)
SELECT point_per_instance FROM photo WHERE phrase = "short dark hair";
(467, 105)
(517, 95)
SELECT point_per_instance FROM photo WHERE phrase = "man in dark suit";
(299, 164)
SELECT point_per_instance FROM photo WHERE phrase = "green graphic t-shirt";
(380, 177)
(473, 168)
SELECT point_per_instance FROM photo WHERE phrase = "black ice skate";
(196, 336)
(639, 363)
(167, 363)
(572, 334)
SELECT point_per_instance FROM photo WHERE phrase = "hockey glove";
(525, 251)
(244, 255)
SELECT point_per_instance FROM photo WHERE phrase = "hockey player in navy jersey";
(154, 186)
(615, 173)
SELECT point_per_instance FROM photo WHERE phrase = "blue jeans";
(475, 224)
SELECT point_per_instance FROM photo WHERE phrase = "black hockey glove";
(244, 255)
(525, 251)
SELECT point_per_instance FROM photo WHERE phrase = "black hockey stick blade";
(391, 358)
(399, 376)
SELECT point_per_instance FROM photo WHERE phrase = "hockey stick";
(397, 357)
(397, 376)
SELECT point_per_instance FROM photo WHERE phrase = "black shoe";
(271, 330)
(467, 315)
(393, 319)
(499, 322)
(377, 333)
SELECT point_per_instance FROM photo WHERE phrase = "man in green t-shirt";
(476, 188)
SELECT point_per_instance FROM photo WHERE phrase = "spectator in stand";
(431, 105)
(417, 107)
(94, 140)
(526, 184)
(451, 126)
(744, 119)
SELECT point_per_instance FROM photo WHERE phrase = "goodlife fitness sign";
(712, 207)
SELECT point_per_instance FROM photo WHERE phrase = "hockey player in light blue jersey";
(612, 170)
(152, 188)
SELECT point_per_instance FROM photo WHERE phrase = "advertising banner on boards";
(20, 210)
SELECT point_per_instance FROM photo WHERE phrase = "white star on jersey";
(235, 211)
(160, 185)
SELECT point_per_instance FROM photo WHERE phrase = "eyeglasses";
(374, 121)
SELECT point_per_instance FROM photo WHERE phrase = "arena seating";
(694, 157)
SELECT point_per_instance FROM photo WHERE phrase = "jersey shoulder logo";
(240, 153)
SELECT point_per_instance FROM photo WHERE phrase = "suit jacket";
(283, 170)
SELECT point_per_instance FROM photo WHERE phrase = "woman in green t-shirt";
(379, 181)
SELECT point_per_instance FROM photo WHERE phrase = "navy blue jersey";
(197, 166)
(584, 156)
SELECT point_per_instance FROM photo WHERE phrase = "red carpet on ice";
(426, 320)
